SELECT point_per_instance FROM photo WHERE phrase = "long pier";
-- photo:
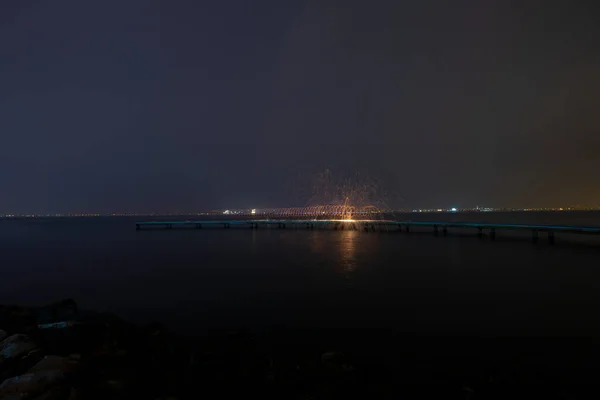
(373, 225)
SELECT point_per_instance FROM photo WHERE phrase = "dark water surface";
(198, 280)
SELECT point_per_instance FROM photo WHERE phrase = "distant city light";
(253, 211)
(453, 209)
(226, 212)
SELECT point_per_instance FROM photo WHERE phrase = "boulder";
(65, 310)
(17, 354)
(60, 392)
(337, 362)
(65, 364)
(20, 365)
(31, 384)
(58, 327)
(14, 347)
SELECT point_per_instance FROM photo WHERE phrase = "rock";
(30, 385)
(337, 362)
(65, 364)
(15, 346)
(3, 335)
(57, 325)
(65, 310)
(328, 357)
(56, 393)
(59, 330)
(20, 365)
(74, 394)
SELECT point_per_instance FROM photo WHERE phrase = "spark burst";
(342, 199)
(354, 197)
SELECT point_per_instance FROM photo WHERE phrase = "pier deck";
(371, 225)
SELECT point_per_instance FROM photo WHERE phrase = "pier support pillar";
(198, 226)
(493, 233)
(435, 230)
(551, 237)
(480, 231)
(445, 231)
(407, 229)
(137, 227)
(169, 226)
(225, 226)
(534, 235)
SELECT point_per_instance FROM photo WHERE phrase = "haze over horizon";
(153, 106)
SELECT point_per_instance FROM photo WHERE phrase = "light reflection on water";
(347, 248)
(343, 248)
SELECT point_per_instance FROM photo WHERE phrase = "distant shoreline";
(402, 212)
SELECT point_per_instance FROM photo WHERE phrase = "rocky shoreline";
(58, 352)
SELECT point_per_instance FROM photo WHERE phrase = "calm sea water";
(198, 280)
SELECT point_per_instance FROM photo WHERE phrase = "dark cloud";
(162, 106)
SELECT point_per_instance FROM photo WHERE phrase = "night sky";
(158, 106)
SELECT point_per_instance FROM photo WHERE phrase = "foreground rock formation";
(60, 353)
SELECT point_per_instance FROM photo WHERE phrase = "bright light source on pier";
(226, 212)
(253, 211)
(453, 209)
